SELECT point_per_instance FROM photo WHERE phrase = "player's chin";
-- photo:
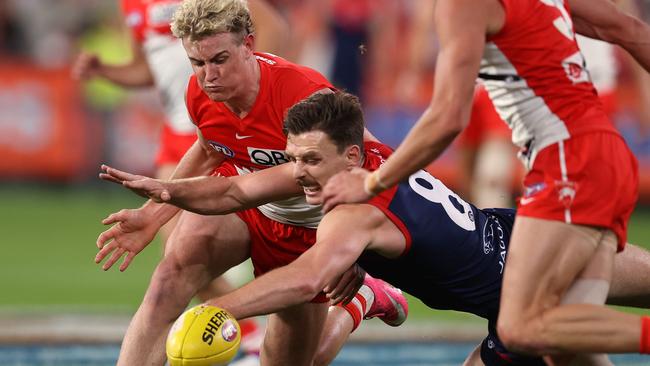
(216, 95)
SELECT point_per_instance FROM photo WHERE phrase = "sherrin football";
(203, 336)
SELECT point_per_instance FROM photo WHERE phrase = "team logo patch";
(494, 239)
(566, 191)
(267, 157)
(221, 148)
(574, 66)
(229, 331)
(533, 189)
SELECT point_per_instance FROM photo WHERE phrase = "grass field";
(48, 245)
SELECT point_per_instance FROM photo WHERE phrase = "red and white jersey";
(149, 21)
(535, 75)
(601, 63)
(257, 141)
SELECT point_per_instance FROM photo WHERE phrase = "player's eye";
(220, 60)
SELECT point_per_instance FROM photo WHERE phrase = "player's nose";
(212, 72)
(298, 171)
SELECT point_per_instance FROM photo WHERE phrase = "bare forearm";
(204, 195)
(132, 75)
(637, 43)
(195, 163)
(274, 291)
(608, 22)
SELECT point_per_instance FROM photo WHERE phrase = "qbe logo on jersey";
(267, 157)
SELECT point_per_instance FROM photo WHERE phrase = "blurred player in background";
(486, 152)
(582, 182)
(414, 235)
(237, 99)
(159, 60)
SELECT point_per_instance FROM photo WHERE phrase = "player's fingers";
(104, 251)
(114, 217)
(340, 284)
(80, 66)
(105, 237)
(122, 175)
(109, 178)
(332, 285)
(127, 261)
(330, 203)
(350, 295)
(347, 292)
(114, 258)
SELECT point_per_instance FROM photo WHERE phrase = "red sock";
(356, 308)
(645, 335)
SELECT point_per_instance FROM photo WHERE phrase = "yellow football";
(203, 336)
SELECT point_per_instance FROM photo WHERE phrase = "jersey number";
(563, 23)
(459, 211)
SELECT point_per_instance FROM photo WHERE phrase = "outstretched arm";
(602, 19)
(213, 195)
(133, 74)
(461, 26)
(338, 246)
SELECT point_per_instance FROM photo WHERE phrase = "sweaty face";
(219, 63)
(315, 160)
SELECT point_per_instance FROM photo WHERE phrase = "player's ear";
(249, 42)
(353, 155)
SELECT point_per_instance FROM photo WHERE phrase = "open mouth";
(311, 190)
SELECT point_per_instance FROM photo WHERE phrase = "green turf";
(48, 245)
(48, 237)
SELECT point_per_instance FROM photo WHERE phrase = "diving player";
(418, 235)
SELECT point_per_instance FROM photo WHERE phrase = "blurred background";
(55, 131)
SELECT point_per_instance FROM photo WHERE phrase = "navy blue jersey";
(455, 252)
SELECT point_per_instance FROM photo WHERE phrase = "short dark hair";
(337, 114)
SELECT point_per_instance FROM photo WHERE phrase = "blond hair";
(197, 19)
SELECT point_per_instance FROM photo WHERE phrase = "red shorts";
(484, 122)
(274, 244)
(591, 179)
(173, 146)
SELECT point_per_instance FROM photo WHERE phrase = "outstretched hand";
(132, 231)
(344, 288)
(146, 187)
(345, 187)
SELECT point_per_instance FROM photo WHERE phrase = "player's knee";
(168, 285)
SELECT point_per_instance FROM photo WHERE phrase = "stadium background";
(54, 133)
